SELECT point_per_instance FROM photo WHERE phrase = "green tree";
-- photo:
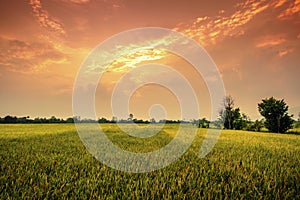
(130, 117)
(70, 120)
(276, 114)
(114, 119)
(241, 121)
(231, 116)
(256, 126)
(297, 124)
(152, 121)
(103, 120)
(201, 123)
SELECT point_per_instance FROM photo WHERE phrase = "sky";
(254, 44)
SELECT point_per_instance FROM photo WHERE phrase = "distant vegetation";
(53, 120)
(275, 113)
(26, 120)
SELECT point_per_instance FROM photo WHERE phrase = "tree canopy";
(231, 117)
(276, 115)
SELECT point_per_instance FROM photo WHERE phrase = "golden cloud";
(131, 60)
(270, 42)
(77, 1)
(294, 8)
(44, 19)
(280, 3)
(284, 52)
(210, 30)
(22, 56)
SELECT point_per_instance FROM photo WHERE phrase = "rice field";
(42, 161)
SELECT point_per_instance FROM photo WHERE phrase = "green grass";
(50, 161)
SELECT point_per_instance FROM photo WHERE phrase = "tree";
(70, 120)
(256, 126)
(241, 121)
(103, 120)
(152, 121)
(231, 116)
(130, 117)
(276, 115)
(201, 123)
(114, 119)
(297, 124)
(10, 119)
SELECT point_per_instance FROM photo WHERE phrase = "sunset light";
(150, 99)
(255, 45)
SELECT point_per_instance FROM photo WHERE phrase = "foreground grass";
(49, 161)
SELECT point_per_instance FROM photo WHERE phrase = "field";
(50, 161)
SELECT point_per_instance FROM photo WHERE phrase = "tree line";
(54, 120)
(274, 111)
(39, 120)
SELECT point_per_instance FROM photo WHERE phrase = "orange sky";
(255, 44)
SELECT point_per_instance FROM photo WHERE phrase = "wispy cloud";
(293, 9)
(270, 42)
(132, 54)
(284, 52)
(44, 19)
(78, 1)
(131, 60)
(280, 3)
(207, 30)
(210, 30)
(55, 24)
(22, 56)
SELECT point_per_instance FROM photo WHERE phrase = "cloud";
(270, 42)
(207, 30)
(284, 52)
(294, 8)
(44, 19)
(133, 59)
(132, 54)
(280, 3)
(210, 30)
(55, 25)
(22, 56)
(77, 1)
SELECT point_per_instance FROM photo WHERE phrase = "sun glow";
(133, 59)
